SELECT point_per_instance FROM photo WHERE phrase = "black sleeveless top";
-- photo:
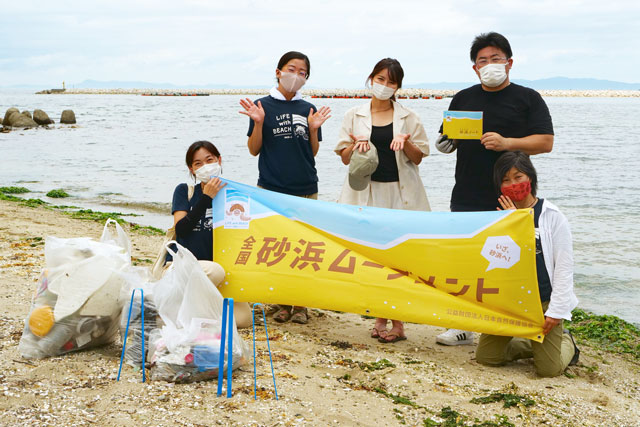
(381, 137)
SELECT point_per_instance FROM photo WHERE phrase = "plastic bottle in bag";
(58, 338)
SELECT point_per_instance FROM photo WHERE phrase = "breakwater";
(410, 93)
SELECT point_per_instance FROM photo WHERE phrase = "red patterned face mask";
(517, 192)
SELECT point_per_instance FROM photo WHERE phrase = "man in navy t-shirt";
(515, 118)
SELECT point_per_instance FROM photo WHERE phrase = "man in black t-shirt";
(514, 118)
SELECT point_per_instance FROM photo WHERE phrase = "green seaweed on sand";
(146, 229)
(452, 418)
(509, 399)
(58, 193)
(91, 215)
(9, 197)
(606, 332)
(397, 399)
(32, 203)
(6, 193)
(367, 366)
(14, 190)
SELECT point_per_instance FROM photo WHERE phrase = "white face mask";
(493, 75)
(291, 82)
(208, 171)
(382, 92)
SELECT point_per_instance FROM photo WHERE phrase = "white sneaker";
(455, 337)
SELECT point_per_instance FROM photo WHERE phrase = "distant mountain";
(566, 83)
(553, 83)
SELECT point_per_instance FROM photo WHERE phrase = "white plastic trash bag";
(187, 347)
(76, 303)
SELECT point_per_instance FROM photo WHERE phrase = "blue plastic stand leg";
(126, 331)
(223, 336)
(255, 381)
(227, 318)
(144, 378)
(230, 349)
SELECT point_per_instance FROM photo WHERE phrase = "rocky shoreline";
(329, 93)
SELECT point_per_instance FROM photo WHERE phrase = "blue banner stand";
(255, 381)
(126, 332)
(228, 302)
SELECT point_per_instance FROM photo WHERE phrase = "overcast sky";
(239, 42)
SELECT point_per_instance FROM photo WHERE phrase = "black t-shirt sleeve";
(539, 118)
(315, 110)
(180, 199)
(251, 125)
(320, 128)
(186, 224)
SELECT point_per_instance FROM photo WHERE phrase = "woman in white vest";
(389, 139)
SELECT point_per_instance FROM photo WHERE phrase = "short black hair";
(294, 55)
(518, 160)
(191, 151)
(490, 39)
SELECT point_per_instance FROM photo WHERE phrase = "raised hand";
(316, 119)
(399, 140)
(506, 203)
(255, 112)
(361, 143)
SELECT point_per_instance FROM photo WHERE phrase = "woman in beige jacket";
(401, 142)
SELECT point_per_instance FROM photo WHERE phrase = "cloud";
(240, 42)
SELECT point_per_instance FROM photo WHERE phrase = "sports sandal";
(391, 338)
(282, 316)
(270, 309)
(576, 350)
(300, 315)
(376, 333)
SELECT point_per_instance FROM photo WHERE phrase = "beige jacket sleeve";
(417, 132)
(344, 140)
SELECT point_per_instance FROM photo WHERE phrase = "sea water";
(127, 155)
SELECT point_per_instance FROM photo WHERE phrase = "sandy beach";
(328, 372)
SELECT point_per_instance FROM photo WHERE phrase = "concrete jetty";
(334, 93)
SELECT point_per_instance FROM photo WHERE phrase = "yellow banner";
(472, 271)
